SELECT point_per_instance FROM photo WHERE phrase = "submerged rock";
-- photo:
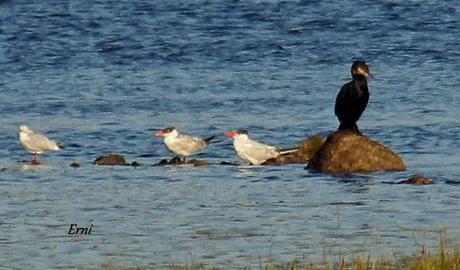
(178, 161)
(75, 165)
(347, 152)
(111, 160)
(305, 152)
(198, 162)
(162, 162)
(417, 180)
(135, 164)
(285, 159)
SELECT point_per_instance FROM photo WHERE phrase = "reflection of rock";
(417, 180)
(305, 151)
(112, 159)
(345, 152)
(178, 161)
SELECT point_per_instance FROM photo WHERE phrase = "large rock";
(347, 152)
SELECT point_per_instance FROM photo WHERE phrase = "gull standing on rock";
(36, 143)
(182, 145)
(252, 151)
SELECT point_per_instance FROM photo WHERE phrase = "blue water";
(101, 76)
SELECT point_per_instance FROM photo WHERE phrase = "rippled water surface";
(100, 76)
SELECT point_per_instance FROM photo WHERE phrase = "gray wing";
(257, 153)
(187, 145)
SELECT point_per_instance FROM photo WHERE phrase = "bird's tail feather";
(288, 150)
(211, 140)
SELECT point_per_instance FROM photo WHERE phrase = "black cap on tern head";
(168, 129)
(242, 131)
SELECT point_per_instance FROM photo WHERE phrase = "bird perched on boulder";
(353, 97)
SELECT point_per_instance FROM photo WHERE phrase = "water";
(100, 76)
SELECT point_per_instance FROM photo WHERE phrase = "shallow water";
(100, 77)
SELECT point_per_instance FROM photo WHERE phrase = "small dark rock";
(75, 165)
(178, 161)
(198, 163)
(135, 164)
(162, 162)
(417, 180)
(111, 160)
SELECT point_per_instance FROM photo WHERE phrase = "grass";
(442, 258)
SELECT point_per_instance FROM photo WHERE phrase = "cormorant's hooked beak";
(364, 72)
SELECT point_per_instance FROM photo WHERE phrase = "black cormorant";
(352, 98)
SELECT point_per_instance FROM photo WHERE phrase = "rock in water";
(310, 146)
(75, 165)
(178, 161)
(417, 180)
(112, 159)
(305, 152)
(198, 162)
(347, 152)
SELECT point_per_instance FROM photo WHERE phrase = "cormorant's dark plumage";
(352, 98)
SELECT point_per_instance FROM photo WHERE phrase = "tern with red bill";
(182, 145)
(252, 151)
(36, 143)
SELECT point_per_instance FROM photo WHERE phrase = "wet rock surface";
(348, 152)
(417, 180)
(178, 161)
(111, 160)
(286, 159)
(75, 165)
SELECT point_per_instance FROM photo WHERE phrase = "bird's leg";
(355, 128)
(36, 159)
